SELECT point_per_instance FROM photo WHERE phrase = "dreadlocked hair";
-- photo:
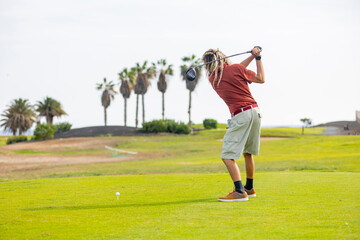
(216, 66)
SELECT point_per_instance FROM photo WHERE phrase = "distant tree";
(107, 94)
(140, 85)
(18, 116)
(164, 70)
(143, 75)
(150, 73)
(127, 79)
(49, 108)
(190, 85)
(306, 123)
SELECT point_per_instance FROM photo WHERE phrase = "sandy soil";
(57, 145)
(10, 161)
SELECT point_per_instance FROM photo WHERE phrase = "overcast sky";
(61, 49)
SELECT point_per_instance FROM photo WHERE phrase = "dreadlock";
(215, 66)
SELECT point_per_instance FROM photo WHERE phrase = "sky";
(62, 49)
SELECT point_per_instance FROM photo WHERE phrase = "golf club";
(190, 74)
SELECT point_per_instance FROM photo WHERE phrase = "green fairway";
(201, 153)
(290, 132)
(289, 205)
(308, 187)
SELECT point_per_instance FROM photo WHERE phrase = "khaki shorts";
(243, 135)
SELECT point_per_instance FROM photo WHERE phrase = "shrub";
(44, 131)
(62, 127)
(170, 126)
(16, 139)
(154, 126)
(182, 128)
(210, 123)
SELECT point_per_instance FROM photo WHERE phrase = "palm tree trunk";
(125, 111)
(137, 110)
(189, 109)
(48, 119)
(105, 117)
(163, 106)
(143, 108)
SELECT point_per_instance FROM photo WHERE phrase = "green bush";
(16, 139)
(170, 126)
(210, 123)
(44, 131)
(62, 127)
(154, 126)
(182, 128)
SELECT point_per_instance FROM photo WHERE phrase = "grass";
(201, 153)
(201, 126)
(3, 140)
(181, 206)
(308, 187)
(290, 132)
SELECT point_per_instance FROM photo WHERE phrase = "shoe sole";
(252, 195)
(233, 200)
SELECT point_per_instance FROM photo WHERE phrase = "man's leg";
(234, 172)
(249, 165)
(250, 169)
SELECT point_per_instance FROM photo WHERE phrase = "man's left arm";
(247, 61)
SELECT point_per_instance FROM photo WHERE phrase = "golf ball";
(117, 194)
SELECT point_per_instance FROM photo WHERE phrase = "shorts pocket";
(231, 139)
(231, 145)
(242, 118)
(259, 114)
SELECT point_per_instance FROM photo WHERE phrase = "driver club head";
(190, 74)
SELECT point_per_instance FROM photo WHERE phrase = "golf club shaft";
(222, 58)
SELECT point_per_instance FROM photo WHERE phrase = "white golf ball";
(117, 194)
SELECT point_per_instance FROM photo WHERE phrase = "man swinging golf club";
(230, 81)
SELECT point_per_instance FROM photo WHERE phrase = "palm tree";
(150, 73)
(140, 83)
(49, 109)
(107, 94)
(127, 79)
(143, 74)
(190, 85)
(19, 116)
(162, 84)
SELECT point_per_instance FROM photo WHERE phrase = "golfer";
(231, 83)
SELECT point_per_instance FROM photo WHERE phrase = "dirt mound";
(100, 131)
(58, 152)
(67, 144)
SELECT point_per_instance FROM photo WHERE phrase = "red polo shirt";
(233, 88)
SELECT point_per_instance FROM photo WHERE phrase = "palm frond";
(169, 70)
(99, 86)
(185, 59)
